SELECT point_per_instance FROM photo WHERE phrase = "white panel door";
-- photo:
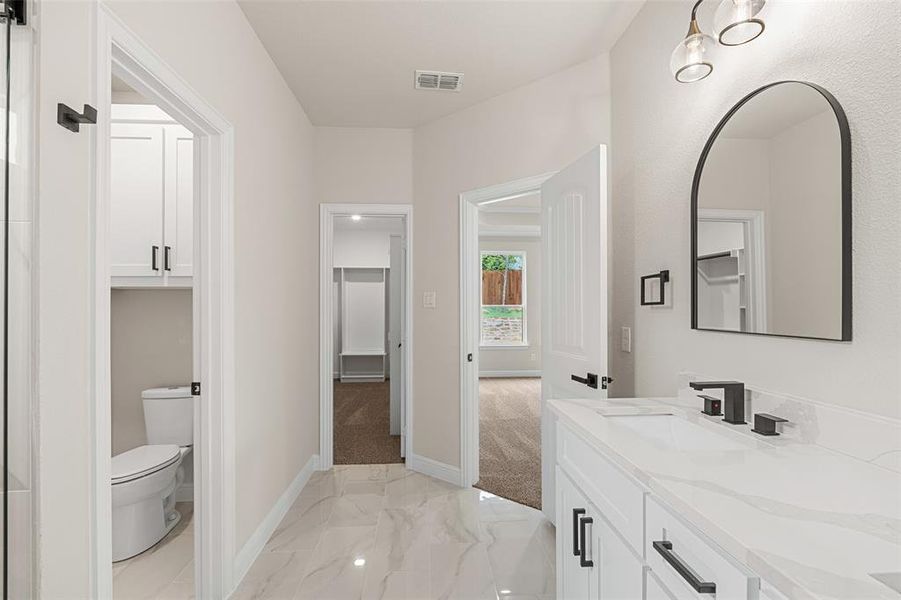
(136, 198)
(395, 334)
(178, 254)
(574, 293)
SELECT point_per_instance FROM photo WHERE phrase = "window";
(503, 317)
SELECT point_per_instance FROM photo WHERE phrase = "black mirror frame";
(845, 133)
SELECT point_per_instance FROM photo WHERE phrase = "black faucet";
(733, 398)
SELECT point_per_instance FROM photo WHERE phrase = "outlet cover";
(429, 299)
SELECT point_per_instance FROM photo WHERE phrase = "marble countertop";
(811, 522)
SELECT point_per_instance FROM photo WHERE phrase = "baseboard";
(254, 546)
(433, 468)
(522, 373)
(185, 493)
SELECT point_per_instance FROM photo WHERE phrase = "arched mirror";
(771, 217)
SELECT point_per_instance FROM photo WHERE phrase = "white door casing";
(574, 217)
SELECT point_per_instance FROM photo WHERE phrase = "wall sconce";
(648, 297)
(736, 22)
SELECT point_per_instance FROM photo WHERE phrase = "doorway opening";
(510, 349)
(365, 332)
(151, 202)
(163, 330)
(572, 351)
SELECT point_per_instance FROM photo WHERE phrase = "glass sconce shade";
(691, 60)
(736, 21)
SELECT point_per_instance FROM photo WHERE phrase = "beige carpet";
(361, 425)
(510, 439)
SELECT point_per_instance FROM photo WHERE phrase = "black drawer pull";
(576, 513)
(153, 252)
(166, 264)
(665, 549)
(584, 562)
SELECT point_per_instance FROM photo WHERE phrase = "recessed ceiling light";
(355, 217)
(359, 562)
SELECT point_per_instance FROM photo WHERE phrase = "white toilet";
(145, 479)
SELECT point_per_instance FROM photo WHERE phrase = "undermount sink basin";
(678, 434)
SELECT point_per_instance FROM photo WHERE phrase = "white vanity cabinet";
(638, 547)
(151, 201)
(593, 561)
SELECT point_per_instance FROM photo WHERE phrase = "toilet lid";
(142, 461)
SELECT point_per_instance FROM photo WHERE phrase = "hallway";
(382, 531)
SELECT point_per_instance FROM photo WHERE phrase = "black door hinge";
(195, 388)
(469, 357)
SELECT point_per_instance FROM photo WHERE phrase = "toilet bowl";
(145, 479)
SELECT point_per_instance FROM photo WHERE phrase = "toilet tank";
(169, 415)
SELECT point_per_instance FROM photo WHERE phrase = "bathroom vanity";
(655, 500)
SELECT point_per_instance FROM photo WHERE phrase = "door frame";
(119, 49)
(753, 223)
(470, 288)
(327, 214)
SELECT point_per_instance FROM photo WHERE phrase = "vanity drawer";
(618, 497)
(680, 556)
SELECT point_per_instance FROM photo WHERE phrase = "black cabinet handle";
(166, 264)
(584, 562)
(576, 513)
(153, 253)
(591, 380)
(665, 549)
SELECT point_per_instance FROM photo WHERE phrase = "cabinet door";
(574, 582)
(136, 199)
(620, 571)
(179, 206)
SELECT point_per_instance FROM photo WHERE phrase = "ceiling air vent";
(438, 80)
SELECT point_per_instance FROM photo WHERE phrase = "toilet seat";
(143, 461)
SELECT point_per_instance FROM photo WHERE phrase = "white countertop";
(811, 522)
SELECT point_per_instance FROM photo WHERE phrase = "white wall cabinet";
(151, 204)
(623, 523)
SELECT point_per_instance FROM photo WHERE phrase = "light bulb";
(355, 217)
(690, 61)
(738, 22)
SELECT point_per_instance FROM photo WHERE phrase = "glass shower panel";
(16, 350)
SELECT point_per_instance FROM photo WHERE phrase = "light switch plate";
(626, 341)
(429, 299)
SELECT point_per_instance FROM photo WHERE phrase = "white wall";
(359, 165)
(150, 346)
(213, 48)
(538, 128)
(659, 129)
(525, 358)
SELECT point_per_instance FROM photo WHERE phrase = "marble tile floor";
(381, 531)
(163, 572)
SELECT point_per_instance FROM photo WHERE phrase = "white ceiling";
(351, 63)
